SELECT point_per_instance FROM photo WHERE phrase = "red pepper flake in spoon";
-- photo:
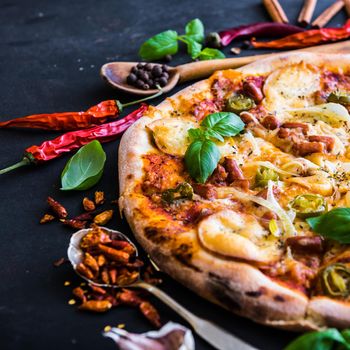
(308, 38)
(75, 139)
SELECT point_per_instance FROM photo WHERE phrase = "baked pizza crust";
(235, 285)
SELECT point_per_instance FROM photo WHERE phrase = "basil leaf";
(160, 45)
(85, 168)
(195, 30)
(224, 123)
(324, 340)
(201, 159)
(196, 134)
(214, 135)
(210, 54)
(193, 47)
(335, 224)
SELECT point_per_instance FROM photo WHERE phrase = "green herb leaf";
(335, 224)
(210, 54)
(201, 159)
(214, 135)
(85, 168)
(196, 134)
(195, 30)
(224, 123)
(160, 45)
(323, 340)
(193, 47)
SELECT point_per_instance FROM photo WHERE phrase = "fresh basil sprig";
(323, 340)
(335, 224)
(85, 168)
(203, 155)
(166, 43)
(210, 54)
(160, 45)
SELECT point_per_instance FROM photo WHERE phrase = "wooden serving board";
(203, 69)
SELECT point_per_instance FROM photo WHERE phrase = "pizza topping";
(335, 280)
(171, 134)
(307, 147)
(253, 88)
(264, 175)
(203, 155)
(339, 97)
(308, 205)
(334, 224)
(206, 191)
(305, 244)
(183, 191)
(238, 103)
(270, 122)
(237, 235)
(333, 113)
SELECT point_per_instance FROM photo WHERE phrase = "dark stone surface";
(50, 54)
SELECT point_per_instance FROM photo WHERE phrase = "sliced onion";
(251, 139)
(328, 112)
(269, 165)
(269, 203)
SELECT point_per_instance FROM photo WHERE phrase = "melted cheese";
(237, 235)
(171, 134)
(292, 86)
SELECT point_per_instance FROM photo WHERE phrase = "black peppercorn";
(213, 40)
(131, 79)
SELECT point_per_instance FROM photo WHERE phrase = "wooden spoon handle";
(203, 69)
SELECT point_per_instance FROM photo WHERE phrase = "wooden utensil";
(115, 73)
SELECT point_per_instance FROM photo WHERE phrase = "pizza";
(238, 187)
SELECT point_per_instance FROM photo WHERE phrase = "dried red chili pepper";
(65, 121)
(308, 38)
(75, 139)
(57, 208)
(262, 29)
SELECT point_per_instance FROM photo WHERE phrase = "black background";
(50, 55)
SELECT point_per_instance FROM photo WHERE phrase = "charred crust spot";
(156, 235)
(279, 298)
(130, 176)
(219, 288)
(184, 255)
(254, 294)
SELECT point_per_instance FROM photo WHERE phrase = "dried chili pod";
(96, 305)
(77, 224)
(57, 208)
(335, 280)
(72, 140)
(150, 312)
(94, 116)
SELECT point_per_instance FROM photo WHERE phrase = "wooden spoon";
(115, 73)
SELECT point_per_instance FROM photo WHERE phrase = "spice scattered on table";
(99, 217)
(148, 76)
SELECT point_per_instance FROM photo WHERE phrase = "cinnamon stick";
(276, 11)
(328, 14)
(306, 12)
(347, 7)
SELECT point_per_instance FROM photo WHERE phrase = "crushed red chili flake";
(103, 218)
